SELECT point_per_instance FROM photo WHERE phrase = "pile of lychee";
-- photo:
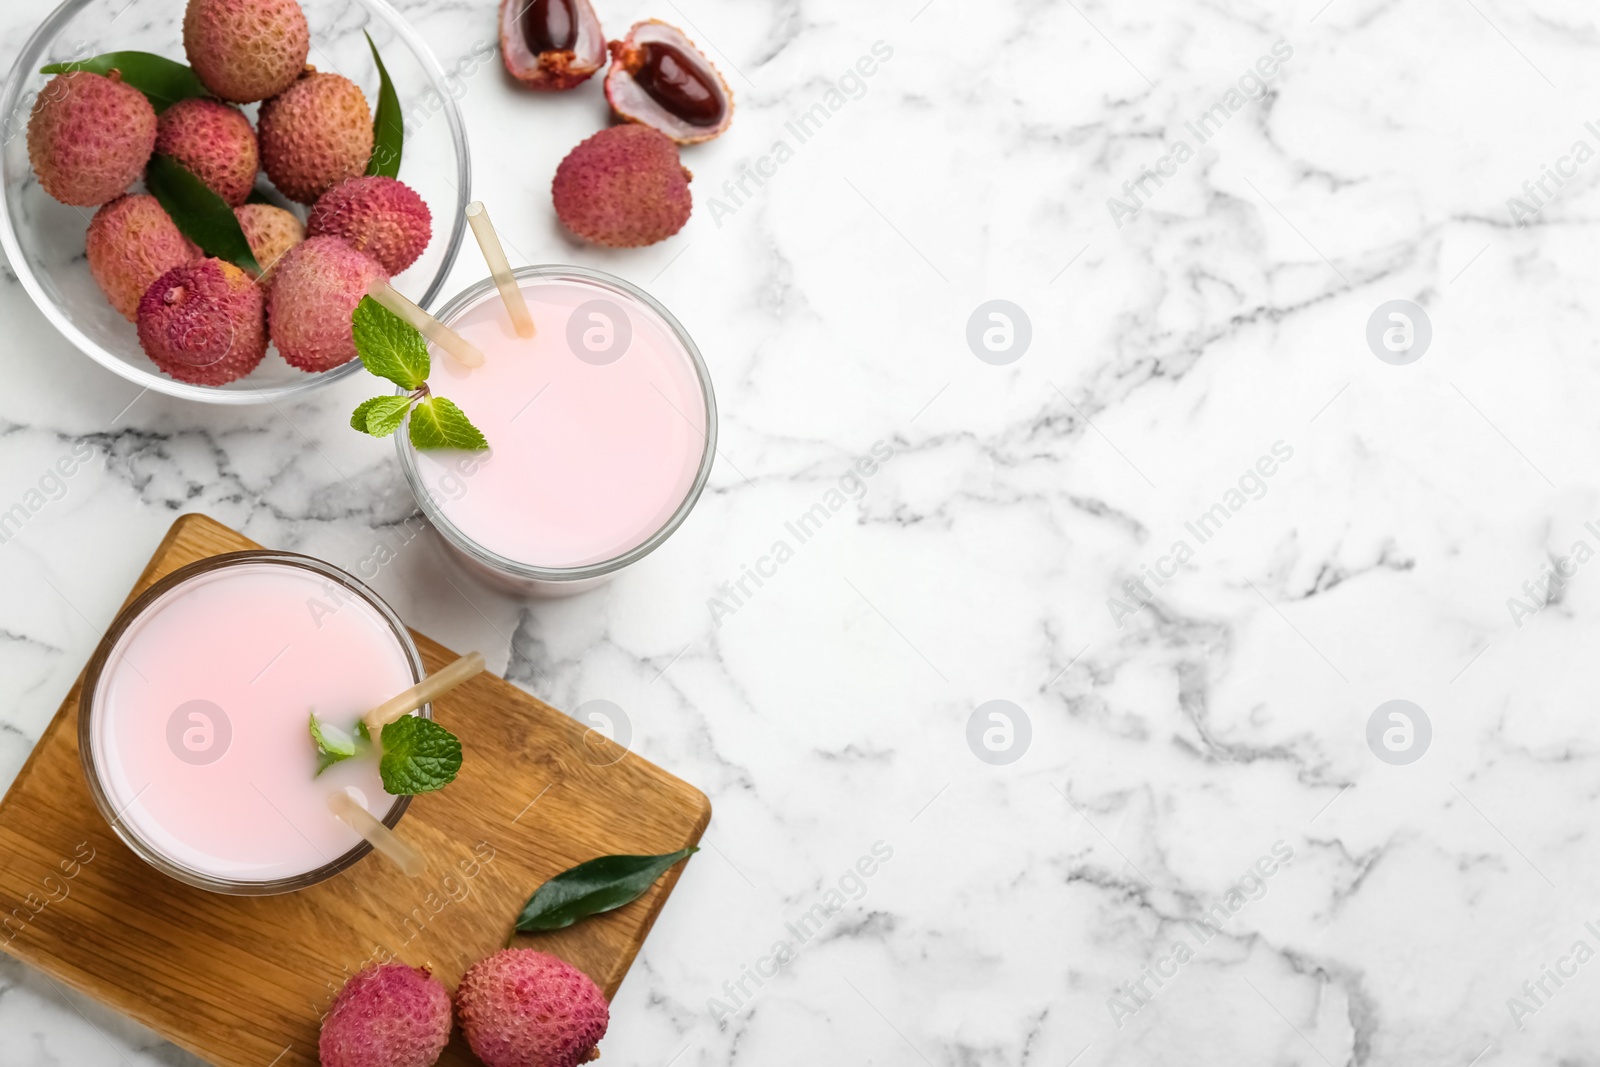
(623, 187)
(202, 319)
(517, 1008)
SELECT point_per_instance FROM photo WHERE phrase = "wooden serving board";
(244, 981)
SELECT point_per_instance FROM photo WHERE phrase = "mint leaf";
(380, 416)
(419, 756)
(388, 128)
(590, 888)
(390, 346)
(162, 80)
(438, 423)
(200, 214)
(333, 744)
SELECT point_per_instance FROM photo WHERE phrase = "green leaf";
(419, 756)
(438, 423)
(163, 80)
(593, 887)
(388, 126)
(390, 346)
(333, 744)
(380, 416)
(203, 216)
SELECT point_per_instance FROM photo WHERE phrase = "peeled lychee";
(523, 1008)
(132, 242)
(551, 44)
(315, 290)
(202, 323)
(246, 50)
(315, 135)
(382, 217)
(89, 137)
(270, 231)
(389, 1015)
(623, 187)
(660, 78)
(215, 142)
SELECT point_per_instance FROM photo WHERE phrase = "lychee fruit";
(523, 1008)
(202, 323)
(388, 1015)
(314, 135)
(132, 242)
(271, 232)
(315, 289)
(246, 50)
(215, 142)
(659, 78)
(89, 137)
(551, 44)
(382, 217)
(623, 187)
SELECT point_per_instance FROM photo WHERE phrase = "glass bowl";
(115, 797)
(44, 239)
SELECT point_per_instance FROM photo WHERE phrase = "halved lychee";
(659, 78)
(551, 44)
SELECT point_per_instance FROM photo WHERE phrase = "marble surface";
(1196, 745)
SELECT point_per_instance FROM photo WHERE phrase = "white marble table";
(1180, 733)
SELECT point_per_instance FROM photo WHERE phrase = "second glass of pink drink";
(602, 429)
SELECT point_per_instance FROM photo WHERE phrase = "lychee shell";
(524, 1008)
(215, 142)
(246, 50)
(315, 135)
(202, 323)
(270, 232)
(89, 137)
(380, 216)
(389, 1015)
(623, 187)
(315, 289)
(132, 241)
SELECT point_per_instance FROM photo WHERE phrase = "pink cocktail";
(193, 725)
(601, 431)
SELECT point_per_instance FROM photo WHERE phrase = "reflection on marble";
(1214, 724)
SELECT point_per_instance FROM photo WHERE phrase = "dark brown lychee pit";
(550, 26)
(677, 83)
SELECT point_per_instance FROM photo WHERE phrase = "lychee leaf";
(163, 81)
(439, 423)
(333, 744)
(380, 416)
(419, 756)
(590, 888)
(388, 126)
(390, 347)
(200, 214)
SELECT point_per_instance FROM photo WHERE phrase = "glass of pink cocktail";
(602, 429)
(193, 724)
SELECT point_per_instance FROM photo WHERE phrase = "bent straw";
(451, 342)
(500, 267)
(379, 836)
(429, 689)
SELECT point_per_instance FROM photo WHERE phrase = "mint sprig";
(333, 744)
(419, 756)
(391, 348)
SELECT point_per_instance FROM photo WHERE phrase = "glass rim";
(505, 565)
(126, 617)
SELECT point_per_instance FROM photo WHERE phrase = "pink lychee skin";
(388, 1015)
(246, 50)
(380, 216)
(202, 323)
(271, 232)
(89, 137)
(132, 241)
(215, 142)
(315, 289)
(314, 135)
(524, 1008)
(623, 187)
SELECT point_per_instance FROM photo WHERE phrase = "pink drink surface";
(266, 643)
(588, 457)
